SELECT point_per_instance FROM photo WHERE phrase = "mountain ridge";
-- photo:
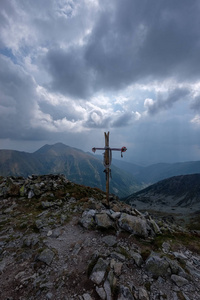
(156, 172)
(75, 164)
(178, 193)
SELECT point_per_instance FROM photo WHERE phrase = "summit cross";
(108, 159)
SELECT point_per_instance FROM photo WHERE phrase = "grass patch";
(194, 223)
(148, 286)
(180, 295)
(145, 253)
(176, 240)
(124, 252)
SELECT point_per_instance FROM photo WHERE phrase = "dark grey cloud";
(7, 9)
(132, 41)
(122, 120)
(93, 52)
(99, 119)
(145, 39)
(60, 111)
(17, 102)
(70, 75)
(195, 105)
(166, 102)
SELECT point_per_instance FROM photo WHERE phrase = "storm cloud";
(132, 41)
(71, 69)
(165, 102)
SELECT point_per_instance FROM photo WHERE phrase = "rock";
(31, 241)
(99, 271)
(77, 249)
(118, 256)
(154, 226)
(30, 194)
(132, 224)
(192, 270)
(49, 233)
(157, 266)
(116, 266)
(180, 256)
(186, 297)
(125, 294)
(115, 215)
(178, 280)
(87, 219)
(2, 266)
(165, 247)
(39, 224)
(46, 256)
(110, 240)
(86, 297)
(46, 204)
(56, 233)
(136, 212)
(107, 289)
(174, 266)
(103, 221)
(49, 296)
(142, 294)
(112, 281)
(20, 274)
(101, 292)
(10, 209)
(137, 258)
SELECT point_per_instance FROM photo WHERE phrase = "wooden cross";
(108, 159)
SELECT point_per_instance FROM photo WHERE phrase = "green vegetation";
(176, 240)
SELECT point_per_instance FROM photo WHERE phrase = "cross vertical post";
(107, 160)
(107, 164)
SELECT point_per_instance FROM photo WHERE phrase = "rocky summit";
(60, 240)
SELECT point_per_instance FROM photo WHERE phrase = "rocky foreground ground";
(60, 240)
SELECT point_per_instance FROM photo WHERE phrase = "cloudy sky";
(72, 69)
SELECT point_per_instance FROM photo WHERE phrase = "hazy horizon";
(99, 154)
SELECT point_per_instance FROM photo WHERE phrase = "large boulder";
(99, 271)
(157, 266)
(136, 225)
(87, 219)
(46, 256)
(103, 221)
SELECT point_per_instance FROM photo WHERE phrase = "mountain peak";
(55, 147)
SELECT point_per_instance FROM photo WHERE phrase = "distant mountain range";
(178, 194)
(87, 169)
(156, 172)
(76, 165)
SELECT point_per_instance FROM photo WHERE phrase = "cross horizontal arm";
(94, 149)
(118, 149)
(123, 149)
